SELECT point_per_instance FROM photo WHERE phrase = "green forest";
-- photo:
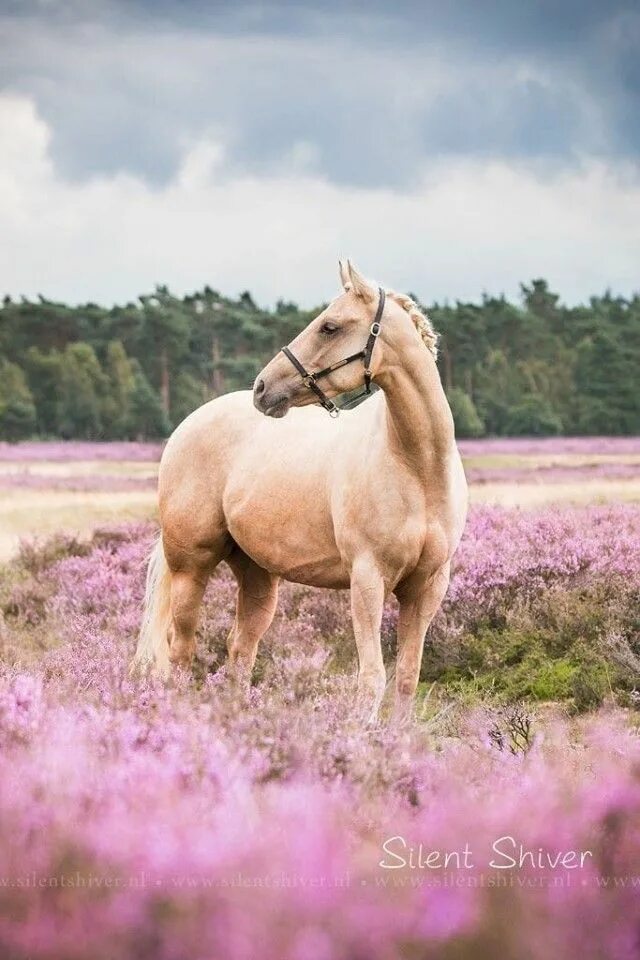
(134, 371)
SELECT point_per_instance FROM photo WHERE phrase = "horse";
(374, 500)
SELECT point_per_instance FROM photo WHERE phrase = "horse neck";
(419, 423)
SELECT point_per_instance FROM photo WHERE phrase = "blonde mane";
(352, 279)
(421, 321)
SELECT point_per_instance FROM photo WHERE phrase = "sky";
(450, 149)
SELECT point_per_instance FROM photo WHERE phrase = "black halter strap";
(310, 380)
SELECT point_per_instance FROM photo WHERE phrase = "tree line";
(134, 371)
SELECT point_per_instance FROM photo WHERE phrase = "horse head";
(321, 362)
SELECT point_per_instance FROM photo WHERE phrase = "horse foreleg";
(256, 606)
(419, 603)
(367, 601)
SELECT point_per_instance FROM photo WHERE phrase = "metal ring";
(375, 329)
(335, 413)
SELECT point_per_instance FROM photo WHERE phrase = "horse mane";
(421, 321)
(352, 279)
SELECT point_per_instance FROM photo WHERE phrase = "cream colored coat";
(374, 501)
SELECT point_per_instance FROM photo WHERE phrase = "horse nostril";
(259, 388)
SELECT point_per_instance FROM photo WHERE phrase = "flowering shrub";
(497, 460)
(523, 552)
(64, 450)
(195, 819)
(553, 473)
(535, 601)
(527, 446)
(539, 474)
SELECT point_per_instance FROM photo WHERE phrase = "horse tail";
(153, 642)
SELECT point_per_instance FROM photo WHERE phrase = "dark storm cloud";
(525, 22)
(369, 93)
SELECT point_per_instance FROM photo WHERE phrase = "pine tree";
(147, 418)
(465, 416)
(84, 386)
(44, 373)
(121, 383)
(17, 409)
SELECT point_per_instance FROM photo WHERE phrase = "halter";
(310, 380)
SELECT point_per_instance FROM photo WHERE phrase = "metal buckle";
(338, 364)
(310, 380)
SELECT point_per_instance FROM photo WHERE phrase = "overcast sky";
(449, 148)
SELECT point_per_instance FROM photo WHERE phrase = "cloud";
(373, 91)
(467, 225)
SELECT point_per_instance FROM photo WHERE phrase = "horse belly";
(290, 533)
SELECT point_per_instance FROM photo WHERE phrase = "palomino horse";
(375, 500)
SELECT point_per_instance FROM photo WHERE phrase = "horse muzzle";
(269, 402)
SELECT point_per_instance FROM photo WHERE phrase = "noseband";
(310, 380)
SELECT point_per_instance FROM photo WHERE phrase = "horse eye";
(328, 328)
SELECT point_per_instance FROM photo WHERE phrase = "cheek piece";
(310, 380)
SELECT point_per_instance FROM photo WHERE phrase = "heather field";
(198, 820)
(46, 487)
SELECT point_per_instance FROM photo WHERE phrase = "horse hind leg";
(255, 609)
(187, 590)
(189, 571)
(172, 602)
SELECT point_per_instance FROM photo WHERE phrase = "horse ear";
(361, 287)
(344, 275)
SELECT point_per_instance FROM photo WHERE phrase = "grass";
(529, 495)
(573, 643)
(533, 461)
(81, 468)
(37, 513)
